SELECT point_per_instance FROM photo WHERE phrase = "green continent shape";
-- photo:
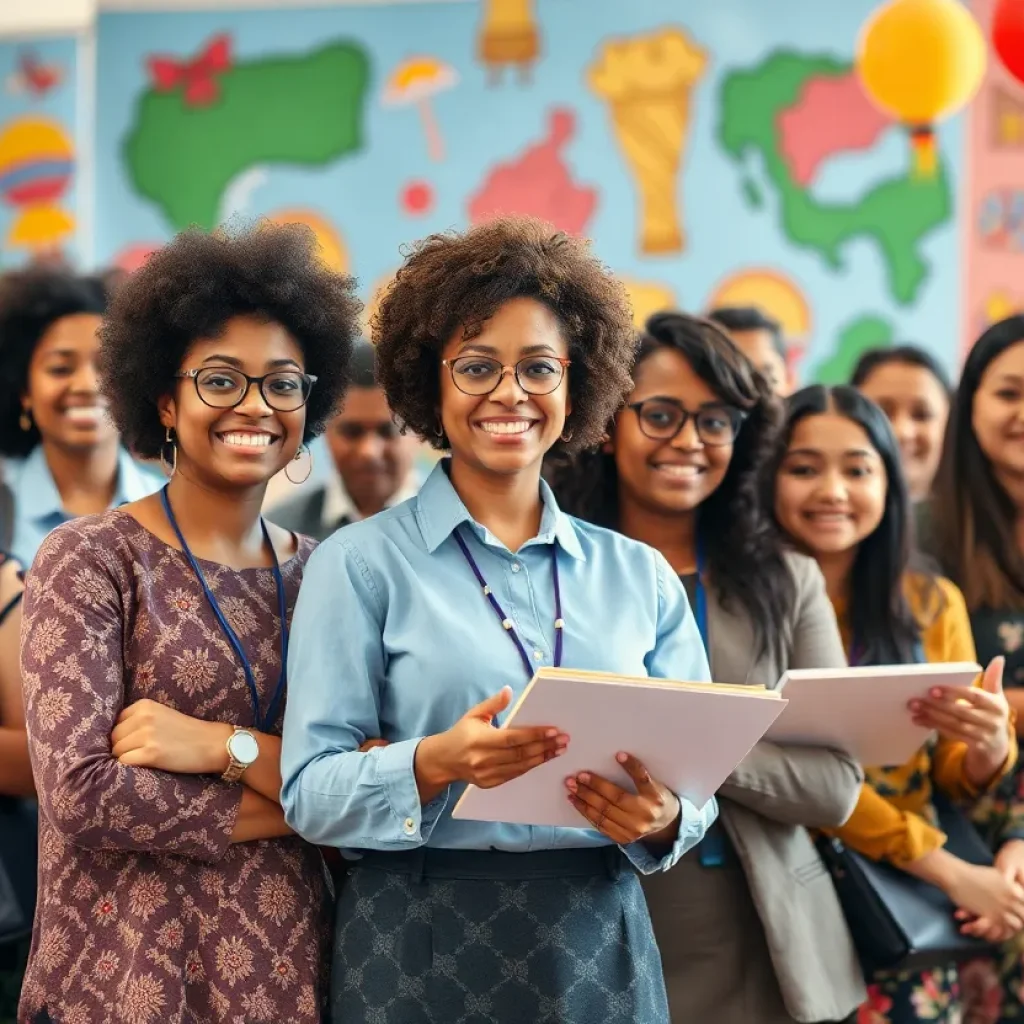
(855, 339)
(305, 111)
(897, 213)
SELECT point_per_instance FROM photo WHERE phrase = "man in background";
(373, 461)
(760, 339)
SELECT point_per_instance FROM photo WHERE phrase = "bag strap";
(6, 516)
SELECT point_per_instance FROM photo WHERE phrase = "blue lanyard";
(262, 724)
(712, 848)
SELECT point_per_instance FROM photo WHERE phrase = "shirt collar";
(440, 510)
(37, 492)
(338, 503)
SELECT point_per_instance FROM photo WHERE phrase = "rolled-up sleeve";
(333, 794)
(678, 654)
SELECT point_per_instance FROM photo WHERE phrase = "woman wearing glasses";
(154, 651)
(749, 926)
(417, 628)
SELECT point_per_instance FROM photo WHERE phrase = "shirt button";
(539, 655)
(409, 826)
(516, 567)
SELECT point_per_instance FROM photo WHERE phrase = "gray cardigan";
(767, 805)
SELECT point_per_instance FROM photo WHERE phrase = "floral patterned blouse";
(147, 913)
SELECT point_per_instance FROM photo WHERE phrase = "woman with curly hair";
(54, 423)
(679, 470)
(154, 653)
(500, 344)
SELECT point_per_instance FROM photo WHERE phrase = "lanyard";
(507, 622)
(262, 724)
(712, 847)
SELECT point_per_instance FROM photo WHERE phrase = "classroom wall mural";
(715, 153)
(38, 151)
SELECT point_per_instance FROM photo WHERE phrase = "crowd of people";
(232, 730)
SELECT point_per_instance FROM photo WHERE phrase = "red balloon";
(1008, 36)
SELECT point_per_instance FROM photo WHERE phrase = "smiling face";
(509, 429)
(997, 415)
(62, 395)
(831, 488)
(673, 476)
(244, 446)
(917, 406)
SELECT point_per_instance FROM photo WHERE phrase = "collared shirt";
(38, 508)
(338, 505)
(392, 638)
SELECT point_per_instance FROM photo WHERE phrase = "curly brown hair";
(192, 287)
(456, 281)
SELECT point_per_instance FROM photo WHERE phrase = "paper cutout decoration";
(508, 37)
(415, 82)
(197, 78)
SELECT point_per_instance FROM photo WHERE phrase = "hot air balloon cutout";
(37, 161)
(921, 61)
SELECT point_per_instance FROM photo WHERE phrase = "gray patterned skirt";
(466, 937)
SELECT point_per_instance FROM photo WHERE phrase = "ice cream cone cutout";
(417, 81)
(647, 81)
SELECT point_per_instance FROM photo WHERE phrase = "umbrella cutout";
(417, 81)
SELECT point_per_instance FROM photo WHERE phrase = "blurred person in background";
(974, 529)
(839, 494)
(760, 339)
(17, 792)
(66, 458)
(373, 461)
(913, 390)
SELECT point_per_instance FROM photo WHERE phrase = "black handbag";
(897, 921)
(19, 828)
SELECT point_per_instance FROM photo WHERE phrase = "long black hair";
(972, 519)
(884, 628)
(744, 555)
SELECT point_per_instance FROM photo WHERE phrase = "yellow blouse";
(894, 818)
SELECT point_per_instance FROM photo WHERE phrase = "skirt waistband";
(427, 862)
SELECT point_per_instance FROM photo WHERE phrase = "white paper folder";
(862, 711)
(690, 736)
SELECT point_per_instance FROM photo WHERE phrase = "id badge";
(712, 848)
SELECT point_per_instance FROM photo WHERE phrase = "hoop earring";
(566, 436)
(303, 450)
(439, 429)
(170, 468)
(25, 420)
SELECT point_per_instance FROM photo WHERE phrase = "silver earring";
(303, 450)
(566, 436)
(171, 467)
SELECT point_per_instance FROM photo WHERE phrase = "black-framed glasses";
(661, 419)
(480, 375)
(224, 387)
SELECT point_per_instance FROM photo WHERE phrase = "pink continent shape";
(832, 115)
(538, 184)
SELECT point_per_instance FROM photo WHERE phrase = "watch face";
(243, 747)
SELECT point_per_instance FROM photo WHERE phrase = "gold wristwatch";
(242, 751)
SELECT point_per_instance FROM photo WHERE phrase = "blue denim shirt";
(37, 506)
(393, 638)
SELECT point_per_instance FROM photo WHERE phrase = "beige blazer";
(766, 807)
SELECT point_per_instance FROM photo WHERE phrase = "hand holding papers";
(689, 736)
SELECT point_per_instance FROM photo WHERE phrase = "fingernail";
(551, 733)
(571, 783)
(936, 692)
(914, 705)
(621, 757)
(583, 777)
(564, 738)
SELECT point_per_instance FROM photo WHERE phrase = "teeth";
(829, 517)
(248, 440)
(88, 413)
(681, 472)
(507, 427)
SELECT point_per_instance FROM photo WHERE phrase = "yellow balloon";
(921, 60)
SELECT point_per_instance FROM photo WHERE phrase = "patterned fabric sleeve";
(73, 672)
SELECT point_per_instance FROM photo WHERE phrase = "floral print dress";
(147, 913)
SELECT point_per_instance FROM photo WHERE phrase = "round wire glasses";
(480, 375)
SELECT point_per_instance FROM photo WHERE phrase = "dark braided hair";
(741, 544)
